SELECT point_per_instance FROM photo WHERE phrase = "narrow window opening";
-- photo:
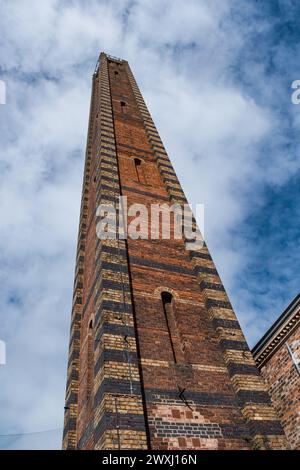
(123, 104)
(166, 298)
(139, 171)
(168, 309)
(116, 73)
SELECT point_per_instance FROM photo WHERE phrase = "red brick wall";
(164, 265)
(283, 382)
(173, 377)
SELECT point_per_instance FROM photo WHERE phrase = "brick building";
(277, 356)
(157, 358)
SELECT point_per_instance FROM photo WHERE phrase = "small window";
(166, 297)
(139, 171)
(123, 104)
(116, 73)
(169, 314)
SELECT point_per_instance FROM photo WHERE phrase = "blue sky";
(216, 75)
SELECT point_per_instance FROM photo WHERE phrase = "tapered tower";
(157, 358)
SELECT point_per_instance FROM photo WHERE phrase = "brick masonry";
(161, 374)
(281, 371)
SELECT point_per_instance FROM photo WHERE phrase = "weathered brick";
(171, 373)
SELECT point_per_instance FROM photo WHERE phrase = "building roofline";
(278, 333)
(109, 58)
(112, 57)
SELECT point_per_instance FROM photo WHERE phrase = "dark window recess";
(169, 314)
(123, 105)
(139, 171)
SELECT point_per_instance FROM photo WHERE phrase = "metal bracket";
(182, 397)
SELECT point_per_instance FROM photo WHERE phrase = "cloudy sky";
(216, 75)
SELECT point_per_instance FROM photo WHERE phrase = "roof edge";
(278, 332)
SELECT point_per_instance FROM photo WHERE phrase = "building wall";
(283, 382)
(164, 265)
(143, 374)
